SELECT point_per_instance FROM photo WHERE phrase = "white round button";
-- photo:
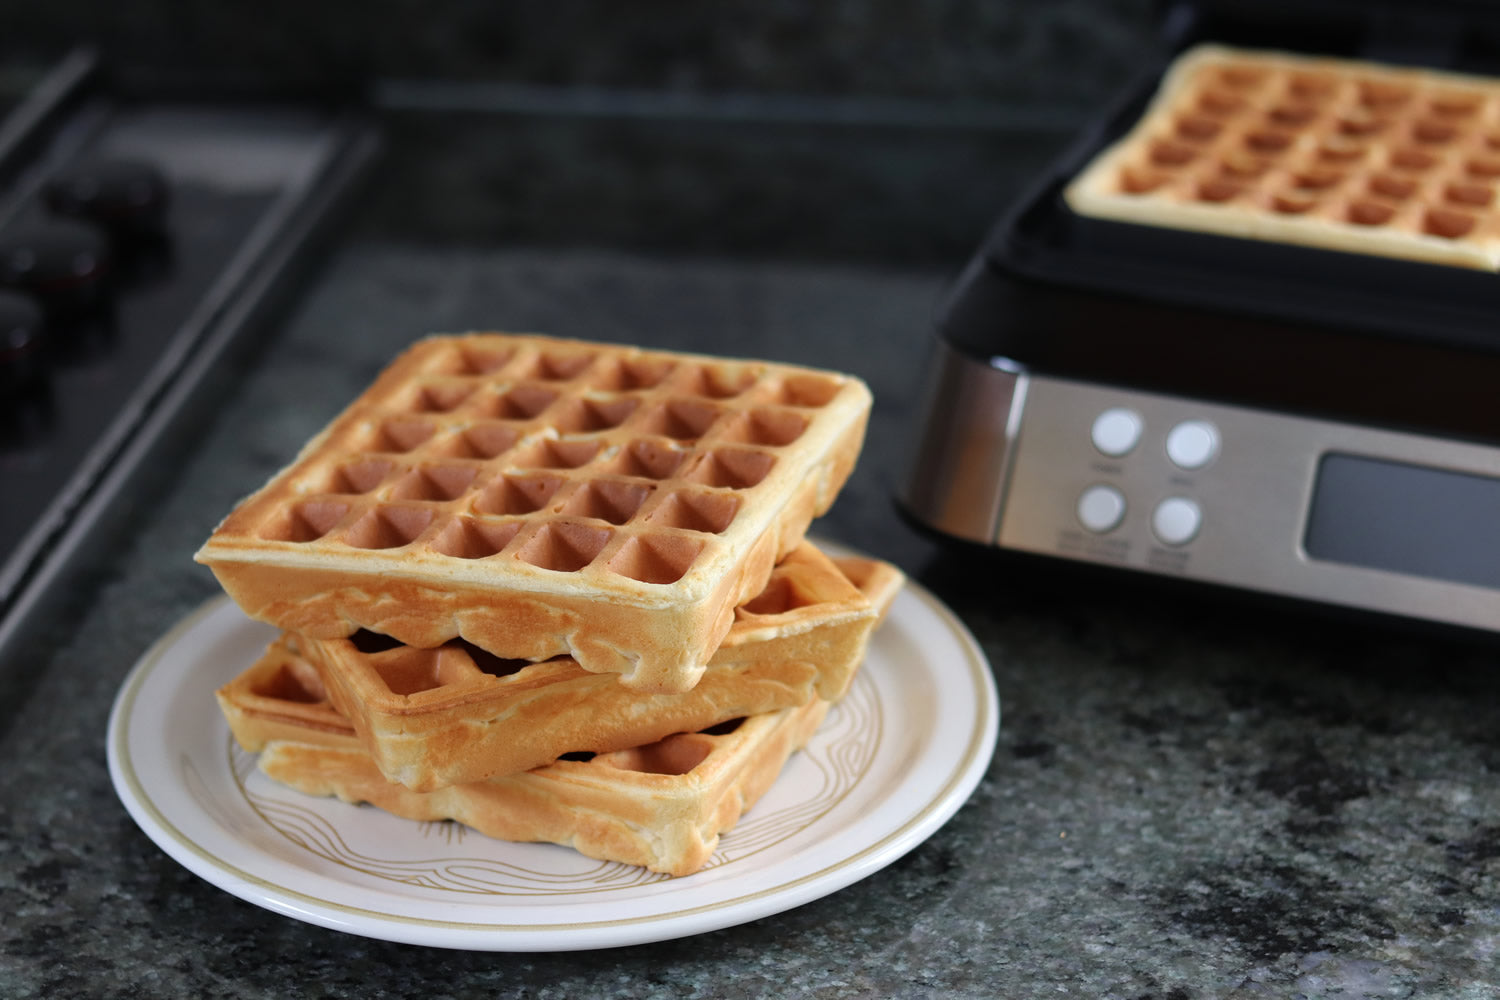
(1176, 520)
(1101, 508)
(1192, 444)
(1116, 431)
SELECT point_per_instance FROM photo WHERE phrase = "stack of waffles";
(1339, 154)
(555, 590)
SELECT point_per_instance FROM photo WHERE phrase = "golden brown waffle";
(1337, 154)
(540, 497)
(430, 718)
(662, 806)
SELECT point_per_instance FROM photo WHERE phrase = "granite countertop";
(1189, 798)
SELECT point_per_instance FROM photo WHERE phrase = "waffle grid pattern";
(1348, 155)
(538, 496)
(554, 453)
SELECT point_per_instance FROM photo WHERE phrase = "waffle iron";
(1227, 413)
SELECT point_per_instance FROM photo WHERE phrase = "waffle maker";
(1285, 421)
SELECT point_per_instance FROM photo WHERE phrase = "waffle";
(539, 497)
(661, 806)
(1337, 154)
(430, 718)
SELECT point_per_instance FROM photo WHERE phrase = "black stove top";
(140, 242)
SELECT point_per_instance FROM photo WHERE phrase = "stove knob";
(127, 197)
(22, 330)
(64, 264)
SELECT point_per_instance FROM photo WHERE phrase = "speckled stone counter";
(1188, 799)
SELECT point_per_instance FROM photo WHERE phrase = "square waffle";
(435, 717)
(1338, 154)
(661, 806)
(539, 497)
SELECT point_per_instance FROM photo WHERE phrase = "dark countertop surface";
(1188, 799)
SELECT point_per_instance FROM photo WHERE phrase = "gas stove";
(144, 238)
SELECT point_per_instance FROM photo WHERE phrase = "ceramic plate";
(891, 764)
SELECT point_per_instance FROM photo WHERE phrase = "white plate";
(892, 763)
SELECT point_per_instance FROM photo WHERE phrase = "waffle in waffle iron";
(1338, 154)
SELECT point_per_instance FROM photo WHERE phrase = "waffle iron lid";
(1462, 35)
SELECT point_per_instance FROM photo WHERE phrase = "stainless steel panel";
(1254, 497)
(958, 472)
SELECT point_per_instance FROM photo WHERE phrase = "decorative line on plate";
(840, 753)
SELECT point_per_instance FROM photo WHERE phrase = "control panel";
(1190, 445)
(1223, 494)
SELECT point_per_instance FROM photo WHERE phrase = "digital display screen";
(1404, 518)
